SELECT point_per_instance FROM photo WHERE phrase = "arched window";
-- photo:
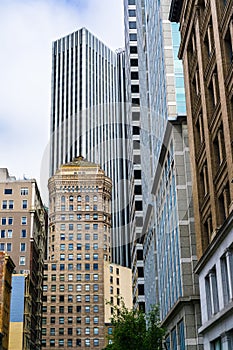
(95, 198)
(79, 198)
(87, 198)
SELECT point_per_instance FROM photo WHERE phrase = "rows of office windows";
(87, 198)
(9, 233)
(8, 246)
(70, 331)
(70, 217)
(71, 298)
(72, 287)
(9, 221)
(70, 320)
(70, 309)
(9, 204)
(72, 277)
(70, 342)
(69, 277)
(71, 227)
(23, 191)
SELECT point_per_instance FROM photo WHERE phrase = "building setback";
(206, 51)
(23, 228)
(79, 255)
(6, 270)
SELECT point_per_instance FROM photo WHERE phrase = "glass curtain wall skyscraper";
(88, 118)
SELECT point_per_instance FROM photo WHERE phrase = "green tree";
(133, 330)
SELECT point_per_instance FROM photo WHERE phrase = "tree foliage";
(133, 330)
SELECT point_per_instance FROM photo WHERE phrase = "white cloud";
(28, 28)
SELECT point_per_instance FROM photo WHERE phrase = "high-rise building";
(206, 51)
(6, 270)
(134, 151)
(23, 225)
(167, 233)
(79, 257)
(88, 117)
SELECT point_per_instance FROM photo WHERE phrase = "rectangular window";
(132, 13)
(23, 247)
(9, 233)
(61, 320)
(8, 191)
(3, 233)
(62, 246)
(24, 204)
(8, 247)
(11, 204)
(23, 220)
(61, 343)
(24, 191)
(10, 221)
(3, 221)
(24, 233)
(22, 260)
(4, 204)
(96, 320)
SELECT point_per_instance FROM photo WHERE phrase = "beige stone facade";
(79, 246)
(117, 288)
(23, 230)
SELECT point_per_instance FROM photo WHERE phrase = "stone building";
(23, 229)
(79, 249)
(206, 48)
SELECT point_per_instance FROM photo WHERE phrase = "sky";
(27, 30)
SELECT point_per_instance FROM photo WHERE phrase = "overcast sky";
(27, 29)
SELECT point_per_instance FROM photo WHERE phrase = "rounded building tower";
(79, 243)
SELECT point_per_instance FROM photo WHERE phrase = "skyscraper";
(206, 51)
(79, 274)
(169, 253)
(134, 150)
(88, 118)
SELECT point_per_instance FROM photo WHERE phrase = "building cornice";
(214, 245)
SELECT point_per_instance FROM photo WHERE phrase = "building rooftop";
(80, 162)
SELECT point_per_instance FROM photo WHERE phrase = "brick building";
(206, 49)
